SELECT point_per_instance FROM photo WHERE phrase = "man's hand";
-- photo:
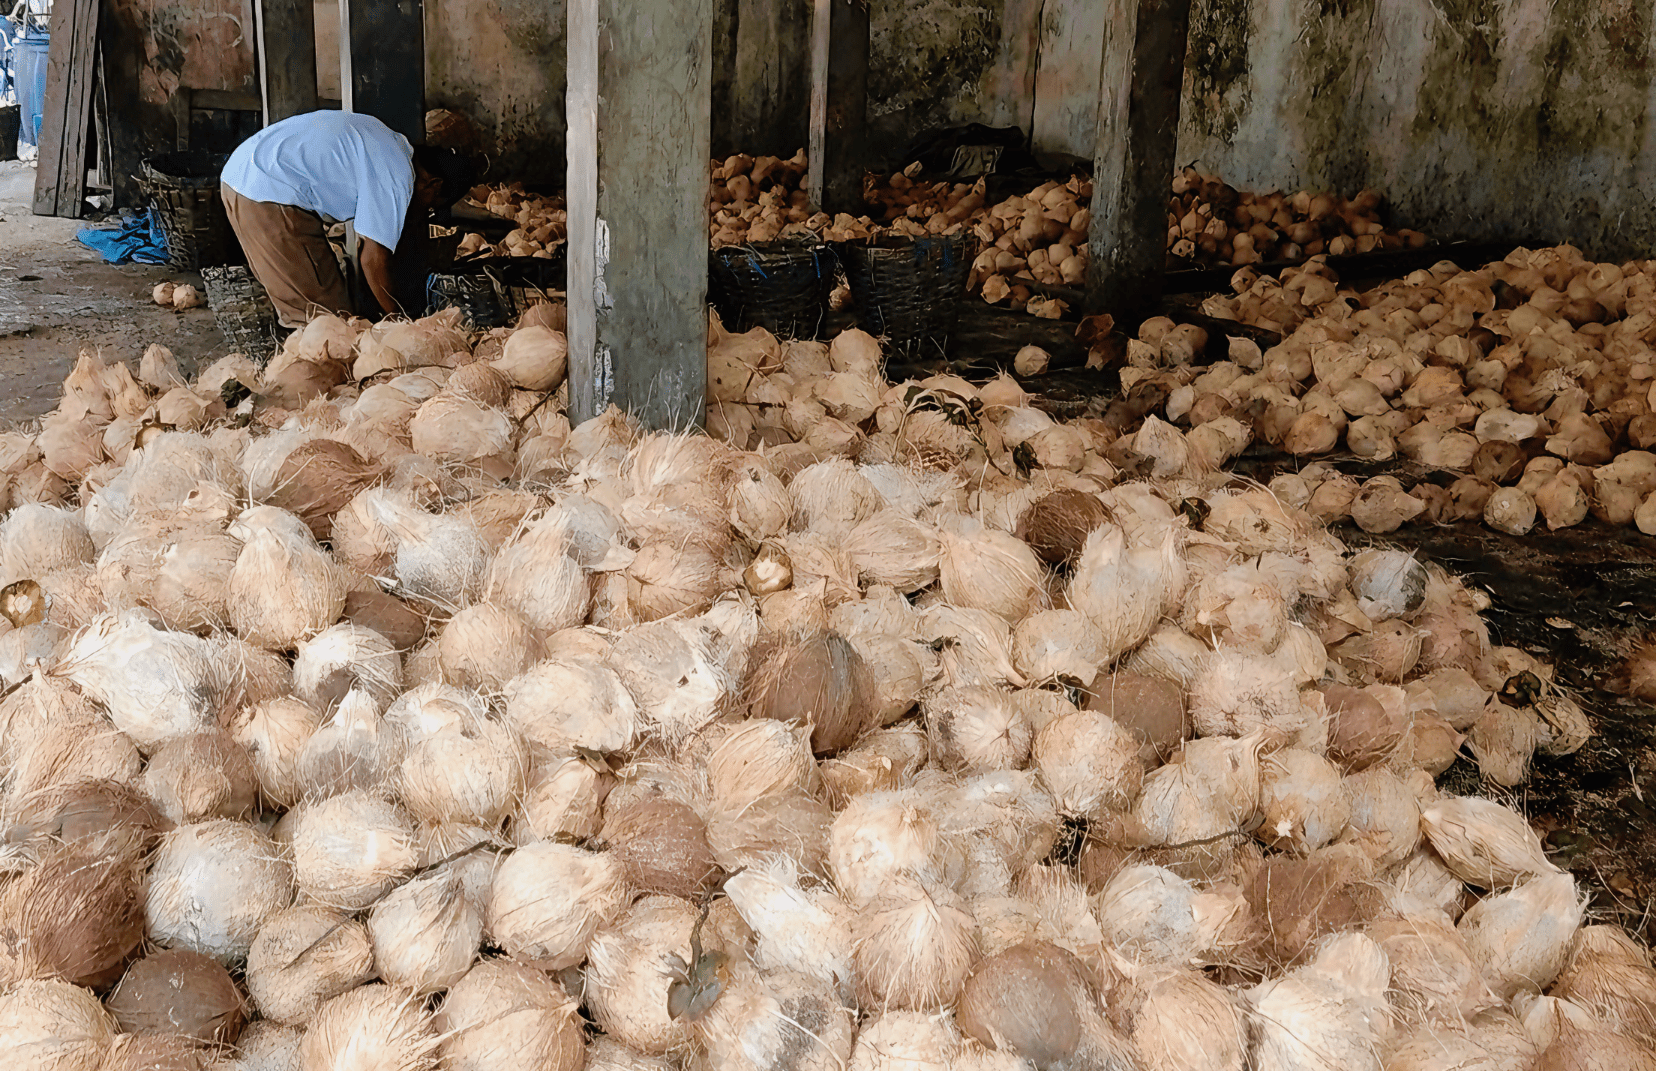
(376, 269)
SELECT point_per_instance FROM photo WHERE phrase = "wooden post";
(66, 120)
(640, 128)
(1138, 130)
(382, 62)
(839, 104)
(769, 98)
(286, 41)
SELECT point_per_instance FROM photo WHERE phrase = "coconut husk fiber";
(819, 680)
(318, 479)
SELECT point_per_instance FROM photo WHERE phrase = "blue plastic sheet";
(137, 238)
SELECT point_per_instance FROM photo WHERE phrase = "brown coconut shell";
(1302, 900)
(78, 914)
(1056, 526)
(1030, 999)
(1152, 709)
(318, 479)
(820, 680)
(662, 846)
(177, 991)
(1361, 731)
(385, 614)
(84, 810)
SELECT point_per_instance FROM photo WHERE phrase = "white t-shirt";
(340, 165)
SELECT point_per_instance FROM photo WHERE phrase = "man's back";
(340, 165)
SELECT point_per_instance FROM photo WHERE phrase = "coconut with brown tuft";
(1029, 1000)
(212, 885)
(1302, 800)
(351, 849)
(176, 991)
(303, 957)
(88, 809)
(1056, 525)
(819, 680)
(76, 914)
(426, 932)
(483, 646)
(1150, 708)
(914, 947)
(318, 478)
(372, 1026)
(504, 1016)
(662, 847)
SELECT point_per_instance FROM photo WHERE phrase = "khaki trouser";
(288, 250)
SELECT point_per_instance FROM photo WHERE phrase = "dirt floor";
(58, 297)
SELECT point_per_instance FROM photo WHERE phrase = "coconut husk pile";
(896, 725)
(1524, 383)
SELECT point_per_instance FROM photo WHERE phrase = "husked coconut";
(546, 900)
(503, 1016)
(212, 886)
(374, 1025)
(302, 958)
(819, 680)
(176, 991)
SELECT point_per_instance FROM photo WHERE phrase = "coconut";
(819, 680)
(76, 914)
(889, 548)
(1029, 1000)
(474, 773)
(568, 704)
(1089, 763)
(201, 776)
(1329, 1013)
(977, 728)
(1152, 710)
(807, 930)
(886, 759)
(1302, 801)
(662, 847)
(1146, 912)
(670, 670)
(81, 810)
(1186, 1021)
(302, 958)
(628, 991)
(212, 885)
(284, 588)
(1609, 974)
(342, 658)
(372, 1026)
(667, 579)
(54, 1026)
(540, 577)
(1122, 589)
(503, 1016)
(1058, 645)
(1361, 730)
(1056, 525)
(760, 505)
(440, 560)
(176, 991)
(547, 899)
(370, 608)
(317, 479)
(1503, 739)
(907, 1041)
(761, 1020)
(350, 849)
(1484, 843)
(563, 801)
(1385, 815)
(425, 933)
(758, 759)
(483, 646)
(1433, 977)
(913, 947)
(158, 1052)
(988, 570)
(37, 539)
(1521, 939)
(1240, 693)
(354, 749)
(154, 683)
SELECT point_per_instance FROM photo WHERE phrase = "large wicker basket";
(242, 309)
(184, 186)
(780, 286)
(908, 291)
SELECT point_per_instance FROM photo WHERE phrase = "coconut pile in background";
(1531, 378)
(362, 713)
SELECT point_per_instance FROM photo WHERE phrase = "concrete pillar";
(839, 104)
(1138, 130)
(640, 123)
(382, 62)
(287, 57)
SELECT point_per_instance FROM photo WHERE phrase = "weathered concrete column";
(1138, 129)
(382, 62)
(839, 104)
(640, 127)
(287, 57)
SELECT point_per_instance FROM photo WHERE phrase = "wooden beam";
(382, 62)
(66, 120)
(286, 42)
(769, 97)
(839, 104)
(1138, 129)
(640, 123)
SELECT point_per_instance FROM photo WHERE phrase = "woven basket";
(243, 310)
(524, 282)
(908, 291)
(185, 189)
(780, 286)
(473, 293)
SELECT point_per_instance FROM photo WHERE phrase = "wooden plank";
(771, 94)
(382, 62)
(60, 178)
(286, 43)
(1140, 83)
(839, 104)
(640, 108)
(226, 100)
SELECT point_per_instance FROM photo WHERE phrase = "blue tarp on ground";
(137, 238)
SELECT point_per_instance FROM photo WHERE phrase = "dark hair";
(457, 171)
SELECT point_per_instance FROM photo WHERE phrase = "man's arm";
(376, 269)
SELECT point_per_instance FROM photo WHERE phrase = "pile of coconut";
(1527, 383)
(543, 222)
(364, 714)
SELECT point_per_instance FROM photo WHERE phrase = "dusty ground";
(57, 297)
